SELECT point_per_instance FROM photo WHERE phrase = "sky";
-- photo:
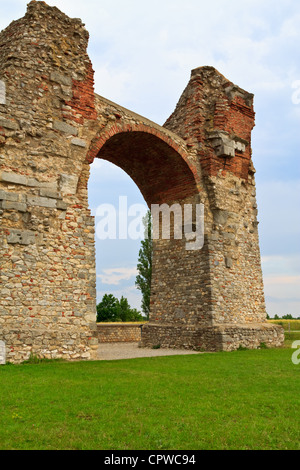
(143, 53)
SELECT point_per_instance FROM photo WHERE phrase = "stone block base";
(226, 337)
(119, 332)
(67, 344)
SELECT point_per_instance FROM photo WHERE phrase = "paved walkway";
(113, 351)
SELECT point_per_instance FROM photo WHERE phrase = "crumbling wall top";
(47, 34)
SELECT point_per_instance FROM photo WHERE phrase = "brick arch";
(157, 164)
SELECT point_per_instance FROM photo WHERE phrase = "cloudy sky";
(143, 52)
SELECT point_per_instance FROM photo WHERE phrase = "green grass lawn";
(237, 400)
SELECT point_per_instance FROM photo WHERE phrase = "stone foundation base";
(68, 344)
(119, 332)
(226, 337)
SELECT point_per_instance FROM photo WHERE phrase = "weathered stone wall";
(222, 125)
(200, 337)
(52, 126)
(119, 332)
(46, 235)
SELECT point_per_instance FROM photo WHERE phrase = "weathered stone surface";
(8, 196)
(21, 237)
(12, 205)
(226, 337)
(13, 178)
(20, 179)
(61, 205)
(8, 124)
(68, 184)
(64, 127)
(41, 201)
(60, 78)
(50, 193)
(78, 142)
(52, 126)
(220, 216)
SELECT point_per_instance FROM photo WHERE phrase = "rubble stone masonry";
(52, 127)
(119, 332)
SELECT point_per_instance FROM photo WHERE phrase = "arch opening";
(117, 206)
(158, 170)
(163, 177)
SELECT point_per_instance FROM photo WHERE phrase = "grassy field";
(291, 330)
(237, 400)
(288, 325)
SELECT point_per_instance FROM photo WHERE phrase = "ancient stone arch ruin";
(52, 126)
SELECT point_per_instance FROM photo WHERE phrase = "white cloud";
(283, 280)
(282, 284)
(114, 276)
(291, 27)
(286, 266)
(278, 205)
(106, 171)
(295, 112)
(109, 77)
(10, 11)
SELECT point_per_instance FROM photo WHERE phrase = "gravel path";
(113, 351)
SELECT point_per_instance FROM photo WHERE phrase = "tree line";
(284, 317)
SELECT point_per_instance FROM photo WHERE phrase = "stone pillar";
(47, 116)
(213, 299)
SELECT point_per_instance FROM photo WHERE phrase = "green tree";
(126, 313)
(110, 309)
(143, 279)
